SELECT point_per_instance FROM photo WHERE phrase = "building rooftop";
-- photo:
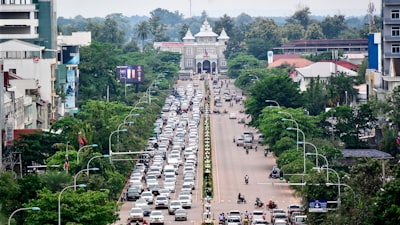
(365, 153)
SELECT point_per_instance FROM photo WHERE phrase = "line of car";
(165, 178)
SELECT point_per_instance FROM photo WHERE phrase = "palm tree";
(142, 29)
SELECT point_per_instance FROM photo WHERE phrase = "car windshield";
(136, 210)
(156, 213)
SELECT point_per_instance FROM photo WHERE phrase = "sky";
(214, 8)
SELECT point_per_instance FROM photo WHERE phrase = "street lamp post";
(346, 185)
(59, 200)
(304, 148)
(94, 157)
(126, 118)
(297, 130)
(109, 141)
(273, 101)
(21, 209)
(338, 178)
(76, 175)
(316, 151)
(255, 76)
(326, 161)
(86, 146)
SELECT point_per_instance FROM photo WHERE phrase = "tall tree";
(301, 16)
(142, 31)
(263, 35)
(111, 33)
(314, 31)
(333, 26)
(271, 88)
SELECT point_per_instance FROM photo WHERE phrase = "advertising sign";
(69, 90)
(130, 74)
(70, 54)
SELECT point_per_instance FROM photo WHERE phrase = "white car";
(165, 192)
(161, 202)
(156, 217)
(174, 205)
(136, 214)
(186, 201)
(232, 116)
(187, 187)
(170, 185)
(189, 181)
(148, 196)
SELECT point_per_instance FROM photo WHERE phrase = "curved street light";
(255, 76)
(76, 175)
(297, 131)
(273, 101)
(94, 157)
(59, 199)
(109, 140)
(316, 151)
(338, 178)
(304, 148)
(326, 161)
(21, 209)
(79, 150)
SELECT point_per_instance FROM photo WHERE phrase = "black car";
(132, 194)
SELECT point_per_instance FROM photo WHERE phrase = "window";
(189, 63)
(395, 31)
(396, 14)
(396, 48)
(189, 51)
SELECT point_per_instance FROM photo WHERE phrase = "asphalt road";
(230, 165)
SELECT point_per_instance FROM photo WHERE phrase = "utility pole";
(1, 113)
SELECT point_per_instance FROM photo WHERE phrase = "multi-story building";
(28, 39)
(391, 43)
(201, 53)
(28, 54)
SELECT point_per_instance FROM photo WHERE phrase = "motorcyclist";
(257, 200)
(240, 197)
(246, 179)
(246, 214)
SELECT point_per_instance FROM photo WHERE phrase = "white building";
(33, 77)
(201, 53)
(323, 70)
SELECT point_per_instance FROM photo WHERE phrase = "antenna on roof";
(371, 10)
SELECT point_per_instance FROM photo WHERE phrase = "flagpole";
(66, 157)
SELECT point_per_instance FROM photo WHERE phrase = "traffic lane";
(231, 165)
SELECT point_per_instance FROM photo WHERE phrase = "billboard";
(130, 74)
(69, 90)
(70, 54)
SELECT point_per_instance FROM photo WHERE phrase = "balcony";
(390, 2)
(390, 38)
(390, 21)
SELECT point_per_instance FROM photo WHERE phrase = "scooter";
(259, 204)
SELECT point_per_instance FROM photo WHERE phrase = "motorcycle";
(258, 204)
(265, 153)
(241, 200)
(246, 180)
(272, 205)
(247, 151)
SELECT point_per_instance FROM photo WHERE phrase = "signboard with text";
(318, 206)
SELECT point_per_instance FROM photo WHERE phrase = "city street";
(230, 165)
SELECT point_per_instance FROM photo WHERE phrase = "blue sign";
(320, 206)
